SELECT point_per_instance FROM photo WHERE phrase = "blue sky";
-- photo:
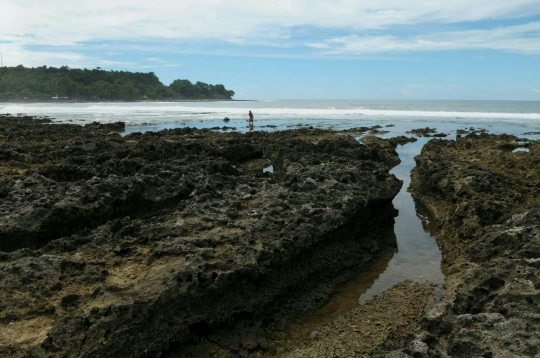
(344, 49)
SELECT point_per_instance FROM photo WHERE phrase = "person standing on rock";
(250, 122)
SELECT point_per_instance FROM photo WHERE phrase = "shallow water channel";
(416, 258)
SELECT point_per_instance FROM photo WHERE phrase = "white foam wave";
(444, 114)
(167, 112)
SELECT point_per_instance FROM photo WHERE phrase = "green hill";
(46, 83)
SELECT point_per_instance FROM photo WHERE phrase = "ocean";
(512, 117)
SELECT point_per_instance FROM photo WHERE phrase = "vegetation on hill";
(46, 83)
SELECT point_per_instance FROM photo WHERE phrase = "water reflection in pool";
(418, 257)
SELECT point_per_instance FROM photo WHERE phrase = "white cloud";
(14, 55)
(72, 25)
(69, 22)
(153, 62)
(520, 39)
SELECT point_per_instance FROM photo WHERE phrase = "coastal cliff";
(176, 242)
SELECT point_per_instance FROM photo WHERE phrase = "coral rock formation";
(486, 199)
(152, 243)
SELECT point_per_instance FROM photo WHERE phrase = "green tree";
(128, 91)
(184, 88)
(46, 82)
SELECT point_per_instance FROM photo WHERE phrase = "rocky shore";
(176, 243)
(486, 198)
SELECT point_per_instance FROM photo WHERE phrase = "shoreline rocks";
(422, 132)
(486, 200)
(156, 243)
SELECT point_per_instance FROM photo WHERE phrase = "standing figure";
(250, 122)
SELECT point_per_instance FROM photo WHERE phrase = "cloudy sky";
(296, 49)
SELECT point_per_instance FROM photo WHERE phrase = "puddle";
(521, 150)
(269, 169)
(417, 258)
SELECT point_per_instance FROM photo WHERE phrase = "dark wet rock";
(378, 132)
(155, 243)
(387, 147)
(461, 132)
(487, 202)
(440, 135)
(224, 128)
(373, 130)
(116, 126)
(358, 129)
(298, 125)
(226, 119)
(28, 119)
(422, 132)
(400, 140)
(477, 130)
(70, 299)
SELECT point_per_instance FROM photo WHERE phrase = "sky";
(295, 49)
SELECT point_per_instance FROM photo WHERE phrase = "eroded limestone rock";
(488, 204)
(154, 243)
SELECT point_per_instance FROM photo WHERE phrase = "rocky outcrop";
(152, 244)
(487, 201)
(422, 132)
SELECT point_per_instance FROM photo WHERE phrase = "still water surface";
(418, 257)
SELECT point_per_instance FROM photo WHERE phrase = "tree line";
(47, 83)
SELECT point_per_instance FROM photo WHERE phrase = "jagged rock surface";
(151, 243)
(487, 201)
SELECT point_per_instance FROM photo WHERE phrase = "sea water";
(509, 116)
